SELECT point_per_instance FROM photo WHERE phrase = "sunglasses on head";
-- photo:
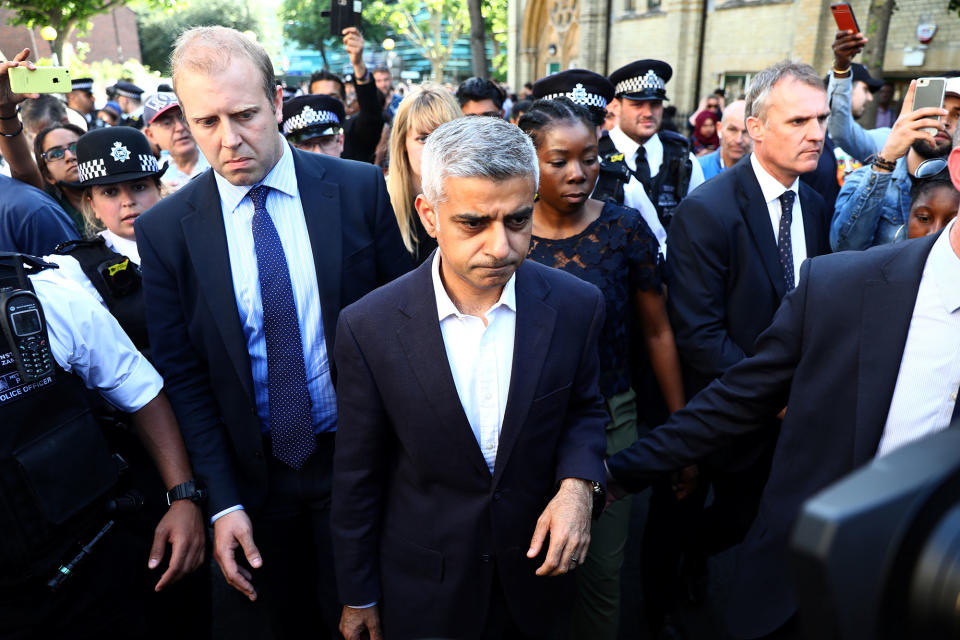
(57, 153)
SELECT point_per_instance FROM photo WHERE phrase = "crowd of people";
(395, 362)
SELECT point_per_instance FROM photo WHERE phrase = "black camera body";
(877, 554)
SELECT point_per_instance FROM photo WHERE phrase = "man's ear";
(149, 134)
(953, 165)
(428, 215)
(754, 128)
(278, 104)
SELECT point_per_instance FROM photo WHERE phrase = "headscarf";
(706, 141)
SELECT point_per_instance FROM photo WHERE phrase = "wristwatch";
(189, 490)
(599, 499)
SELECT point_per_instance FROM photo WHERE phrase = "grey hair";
(42, 112)
(475, 147)
(763, 83)
(209, 49)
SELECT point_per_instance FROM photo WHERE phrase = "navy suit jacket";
(831, 356)
(723, 271)
(419, 522)
(192, 319)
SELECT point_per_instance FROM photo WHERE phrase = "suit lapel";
(887, 311)
(321, 211)
(757, 216)
(207, 245)
(534, 330)
(422, 342)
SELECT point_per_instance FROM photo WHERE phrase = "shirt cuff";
(362, 606)
(142, 385)
(217, 516)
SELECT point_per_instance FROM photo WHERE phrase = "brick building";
(113, 36)
(713, 43)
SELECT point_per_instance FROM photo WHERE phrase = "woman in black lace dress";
(612, 247)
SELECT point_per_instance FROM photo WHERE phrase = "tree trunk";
(323, 54)
(878, 23)
(478, 39)
(436, 70)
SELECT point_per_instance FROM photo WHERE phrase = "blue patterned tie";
(291, 420)
(784, 245)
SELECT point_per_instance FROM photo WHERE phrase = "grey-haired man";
(471, 424)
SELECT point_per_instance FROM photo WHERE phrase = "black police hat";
(127, 90)
(642, 80)
(311, 116)
(860, 73)
(115, 154)
(581, 86)
(81, 84)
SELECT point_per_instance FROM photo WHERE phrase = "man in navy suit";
(736, 245)
(471, 425)
(245, 271)
(865, 355)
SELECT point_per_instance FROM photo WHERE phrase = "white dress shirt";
(926, 390)
(633, 193)
(772, 190)
(480, 358)
(85, 339)
(70, 266)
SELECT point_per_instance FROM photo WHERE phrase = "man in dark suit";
(863, 353)
(736, 244)
(471, 425)
(245, 271)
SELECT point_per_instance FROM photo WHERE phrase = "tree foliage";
(159, 29)
(66, 17)
(432, 26)
(305, 24)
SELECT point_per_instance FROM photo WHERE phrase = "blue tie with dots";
(291, 421)
(784, 244)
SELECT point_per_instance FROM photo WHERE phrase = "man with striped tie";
(865, 355)
(245, 270)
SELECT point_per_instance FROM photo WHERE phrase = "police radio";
(26, 331)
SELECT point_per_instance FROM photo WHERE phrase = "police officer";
(68, 566)
(660, 163)
(314, 123)
(128, 96)
(80, 99)
(594, 92)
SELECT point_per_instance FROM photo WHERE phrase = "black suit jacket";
(832, 356)
(419, 523)
(193, 322)
(724, 276)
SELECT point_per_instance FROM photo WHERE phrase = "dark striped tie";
(291, 420)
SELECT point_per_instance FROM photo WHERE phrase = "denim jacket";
(871, 208)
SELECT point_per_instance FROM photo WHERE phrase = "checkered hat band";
(148, 163)
(309, 117)
(82, 86)
(585, 99)
(128, 94)
(91, 169)
(648, 82)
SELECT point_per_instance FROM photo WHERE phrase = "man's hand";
(353, 43)
(567, 520)
(182, 527)
(685, 481)
(229, 532)
(909, 127)
(355, 622)
(9, 99)
(846, 45)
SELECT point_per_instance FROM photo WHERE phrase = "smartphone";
(929, 93)
(343, 14)
(40, 80)
(843, 14)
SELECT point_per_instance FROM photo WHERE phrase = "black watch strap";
(189, 490)
(599, 499)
